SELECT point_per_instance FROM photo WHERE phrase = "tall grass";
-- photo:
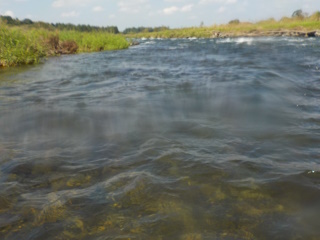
(20, 45)
(95, 41)
(307, 24)
(17, 47)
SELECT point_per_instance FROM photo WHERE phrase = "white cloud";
(221, 9)
(132, 6)
(70, 14)
(112, 16)
(174, 9)
(66, 3)
(218, 1)
(9, 13)
(170, 10)
(187, 8)
(98, 9)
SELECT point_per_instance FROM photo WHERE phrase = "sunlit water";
(172, 139)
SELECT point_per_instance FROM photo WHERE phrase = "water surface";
(172, 139)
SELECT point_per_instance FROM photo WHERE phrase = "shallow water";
(171, 139)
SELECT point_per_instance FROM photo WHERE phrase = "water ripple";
(171, 139)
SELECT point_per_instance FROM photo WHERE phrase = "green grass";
(27, 45)
(17, 47)
(176, 33)
(97, 41)
(309, 24)
(22, 45)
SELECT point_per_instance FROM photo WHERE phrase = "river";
(172, 139)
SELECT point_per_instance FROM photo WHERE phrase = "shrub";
(235, 21)
(53, 42)
(68, 47)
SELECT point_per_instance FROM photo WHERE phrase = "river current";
(172, 139)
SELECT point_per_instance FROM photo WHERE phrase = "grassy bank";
(285, 24)
(20, 45)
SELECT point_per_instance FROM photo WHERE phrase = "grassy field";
(20, 45)
(309, 24)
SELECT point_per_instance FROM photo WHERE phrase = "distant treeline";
(145, 29)
(59, 26)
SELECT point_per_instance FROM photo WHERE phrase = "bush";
(53, 42)
(69, 47)
(235, 21)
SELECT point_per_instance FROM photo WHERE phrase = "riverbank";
(19, 46)
(27, 45)
(284, 27)
(257, 33)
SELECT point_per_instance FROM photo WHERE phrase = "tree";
(9, 20)
(299, 14)
(235, 21)
(26, 21)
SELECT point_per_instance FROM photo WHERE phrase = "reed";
(25, 45)
(17, 47)
(95, 41)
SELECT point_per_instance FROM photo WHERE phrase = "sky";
(151, 13)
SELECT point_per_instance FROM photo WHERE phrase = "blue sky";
(172, 13)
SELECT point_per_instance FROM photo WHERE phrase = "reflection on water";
(171, 139)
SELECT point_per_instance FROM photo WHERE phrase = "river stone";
(311, 34)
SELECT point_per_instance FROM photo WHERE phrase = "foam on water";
(236, 40)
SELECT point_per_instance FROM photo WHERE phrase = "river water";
(172, 139)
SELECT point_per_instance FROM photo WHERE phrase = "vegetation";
(26, 42)
(57, 26)
(97, 41)
(315, 16)
(299, 21)
(299, 14)
(235, 21)
(144, 29)
(17, 47)
(27, 45)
